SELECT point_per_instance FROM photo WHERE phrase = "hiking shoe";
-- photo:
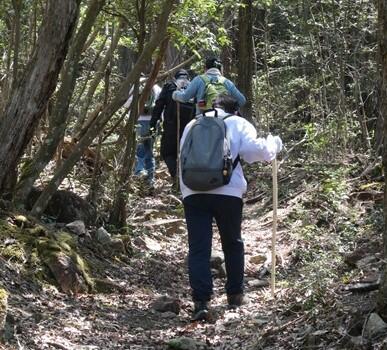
(200, 311)
(142, 174)
(236, 300)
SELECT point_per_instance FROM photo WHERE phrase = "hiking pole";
(177, 144)
(274, 235)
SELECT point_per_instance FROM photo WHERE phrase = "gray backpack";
(205, 156)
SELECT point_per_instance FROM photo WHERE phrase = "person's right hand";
(278, 143)
(275, 142)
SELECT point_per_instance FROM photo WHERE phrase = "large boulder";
(66, 207)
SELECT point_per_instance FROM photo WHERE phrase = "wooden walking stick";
(177, 144)
(274, 236)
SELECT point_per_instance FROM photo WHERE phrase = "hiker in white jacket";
(225, 205)
(145, 161)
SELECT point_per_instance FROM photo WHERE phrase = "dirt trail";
(124, 320)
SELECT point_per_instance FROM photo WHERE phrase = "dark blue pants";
(200, 209)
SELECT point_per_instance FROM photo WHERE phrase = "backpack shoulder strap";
(235, 162)
(238, 158)
(221, 79)
(205, 78)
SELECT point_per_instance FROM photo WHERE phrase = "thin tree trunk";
(362, 113)
(33, 33)
(226, 54)
(118, 213)
(245, 54)
(30, 97)
(59, 117)
(91, 38)
(89, 73)
(95, 180)
(107, 112)
(341, 48)
(17, 7)
(382, 20)
(153, 75)
(7, 81)
(97, 79)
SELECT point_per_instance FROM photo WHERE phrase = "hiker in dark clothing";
(167, 107)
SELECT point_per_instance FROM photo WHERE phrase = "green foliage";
(325, 224)
(305, 69)
(334, 185)
(197, 24)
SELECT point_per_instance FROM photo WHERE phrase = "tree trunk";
(227, 50)
(118, 215)
(96, 180)
(17, 7)
(97, 79)
(116, 103)
(29, 99)
(245, 54)
(59, 117)
(33, 26)
(90, 72)
(382, 21)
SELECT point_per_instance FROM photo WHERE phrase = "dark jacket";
(166, 104)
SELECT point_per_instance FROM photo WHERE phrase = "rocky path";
(151, 308)
(148, 304)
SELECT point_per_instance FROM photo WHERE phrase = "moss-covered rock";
(37, 231)
(66, 273)
(66, 239)
(11, 246)
(21, 221)
(14, 252)
(45, 256)
(59, 254)
(3, 308)
(7, 228)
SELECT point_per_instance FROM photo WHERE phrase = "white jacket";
(244, 141)
(155, 91)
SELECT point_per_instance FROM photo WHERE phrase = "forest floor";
(328, 258)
